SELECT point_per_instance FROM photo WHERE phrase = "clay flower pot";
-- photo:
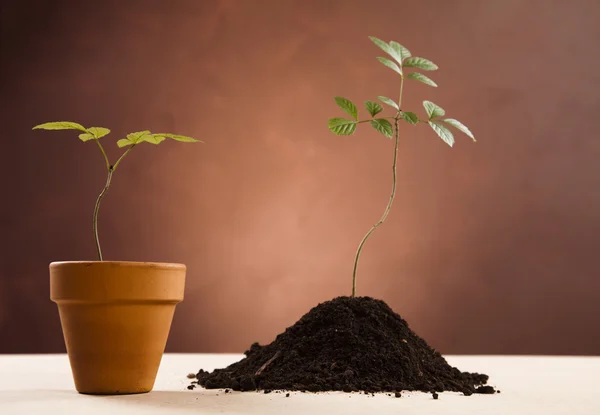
(116, 318)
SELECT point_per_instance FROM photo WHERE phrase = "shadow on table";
(213, 401)
(35, 395)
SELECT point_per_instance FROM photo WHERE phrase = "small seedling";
(132, 140)
(401, 61)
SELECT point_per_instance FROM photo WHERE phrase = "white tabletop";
(42, 384)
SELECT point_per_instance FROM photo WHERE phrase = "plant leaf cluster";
(399, 60)
(96, 133)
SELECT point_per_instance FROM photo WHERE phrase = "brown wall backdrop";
(491, 247)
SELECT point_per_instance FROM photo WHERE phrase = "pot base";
(113, 392)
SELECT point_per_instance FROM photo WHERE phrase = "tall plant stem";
(111, 169)
(392, 194)
(103, 154)
(97, 208)
(122, 157)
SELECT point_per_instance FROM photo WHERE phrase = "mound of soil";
(346, 344)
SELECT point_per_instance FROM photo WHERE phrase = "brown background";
(491, 248)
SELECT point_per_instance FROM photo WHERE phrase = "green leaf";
(145, 136)
(460, 126)
(392, 65)
(177, 137)
(154, 138)
(388, 101)
(86, 137)
(136, 137)
(400, 50)
(94, 133)
(383, 126)
(443, 132)
(347, 106)
(341, 126)
(123, 142)
(373, 108)
(410, 117)
(433, 110)
(421, 63)
(60, 125)
(98, 132)
(421, 78)
(384, 46)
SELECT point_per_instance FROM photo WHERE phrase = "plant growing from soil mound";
(389, 126)
(95, 134)
(357, 343)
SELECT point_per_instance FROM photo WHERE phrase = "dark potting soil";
(346, 344)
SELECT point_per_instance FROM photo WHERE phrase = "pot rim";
(162, 265)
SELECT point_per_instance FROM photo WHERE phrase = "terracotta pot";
(116, 318)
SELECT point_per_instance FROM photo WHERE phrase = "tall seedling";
(401, 62)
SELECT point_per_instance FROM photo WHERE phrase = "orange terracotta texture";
(116, 318)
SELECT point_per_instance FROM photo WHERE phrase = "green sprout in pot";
(131, 141)
(401, 62)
